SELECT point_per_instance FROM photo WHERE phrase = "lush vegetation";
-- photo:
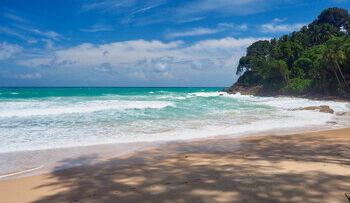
(315, 59)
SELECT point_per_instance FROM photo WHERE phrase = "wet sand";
(306, 167)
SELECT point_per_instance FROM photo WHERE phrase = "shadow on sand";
(253, 170)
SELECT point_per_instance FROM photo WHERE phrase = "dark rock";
(332, 122)
(343, 114)
(259, 90)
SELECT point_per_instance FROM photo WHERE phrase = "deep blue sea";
(48, 118)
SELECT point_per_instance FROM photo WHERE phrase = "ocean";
(45, 118)
(39, 119)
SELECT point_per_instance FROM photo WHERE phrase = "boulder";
(322, 108)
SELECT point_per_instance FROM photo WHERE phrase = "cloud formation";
(8, 50)
(108, 5)
(97, 28)
(48, 34)
(14, 17)
(228, 7)
(155, 11)
(12, 32)
(27, 76)
(129, 9)
(193, 32)
(221, 27)
(141, 58)
(278, 28)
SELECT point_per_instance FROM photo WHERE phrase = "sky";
(127, 43)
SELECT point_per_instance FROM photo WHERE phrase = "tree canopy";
(315, 59)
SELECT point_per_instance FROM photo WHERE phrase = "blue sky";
(139, 42)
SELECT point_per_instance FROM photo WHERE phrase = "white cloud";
(8, 50)
(138, 74)
(144, 8)
(37, 61)
(190, 20)
(278, 20)
(155, 11)
(109, 5)
(243, 27)
(48, 34)
(221, 27)
(141, 58)
(27, 33)
(49, 43)
(97, 28)
(12, 32)
(14, 17)
(227, 43)
(228, 7)
(27, 76)
(277, 28)
(32, 41)
(193, 32)
(130, 9)
(224, 26)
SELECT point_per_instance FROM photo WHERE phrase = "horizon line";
(110, 86)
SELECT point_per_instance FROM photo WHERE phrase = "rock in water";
(322, 108)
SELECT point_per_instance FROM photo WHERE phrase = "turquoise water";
(46, 118)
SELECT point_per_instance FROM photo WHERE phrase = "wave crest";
(26, 109)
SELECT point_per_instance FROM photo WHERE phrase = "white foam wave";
(21, 172)
(286, 103)
(248, 114)
(182, 98)
(25, 109)
(175, 97)
(205, 94)
(169, 131)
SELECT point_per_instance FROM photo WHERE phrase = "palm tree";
(282, 68)
(347, 47)
(347, 25)
(316, 35)
(334, 56)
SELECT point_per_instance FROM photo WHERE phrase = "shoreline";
(323, 153)
(94, 154)
(256, 91)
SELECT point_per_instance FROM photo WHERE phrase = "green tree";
(259, 49)
(347, 25)
(301, 67)
(335, 56)
(283, 69)
(314, 59)
(334, 16)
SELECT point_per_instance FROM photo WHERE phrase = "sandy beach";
(130, 101)
(308, 167)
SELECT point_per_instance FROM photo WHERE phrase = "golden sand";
(308, 167)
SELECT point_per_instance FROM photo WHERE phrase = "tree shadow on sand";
(197, 172)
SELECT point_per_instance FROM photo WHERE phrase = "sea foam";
(38, 123)
(39, 108)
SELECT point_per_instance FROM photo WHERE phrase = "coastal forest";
(312, 61)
